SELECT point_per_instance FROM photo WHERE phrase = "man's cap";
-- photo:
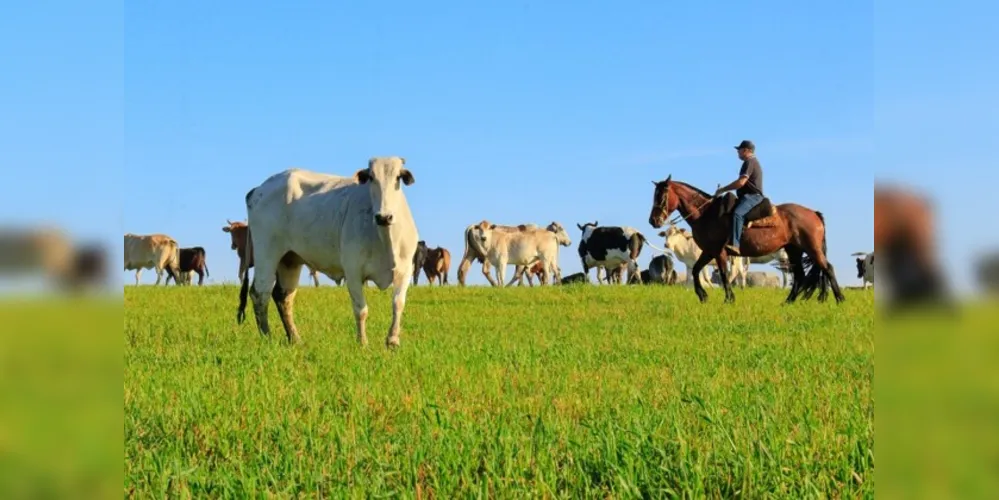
(746, 144)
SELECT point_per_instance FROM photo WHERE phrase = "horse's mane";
(694, 188)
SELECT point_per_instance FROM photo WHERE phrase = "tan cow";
(237, 233)
(45, 251)
(151, 251)
(472, 253)
(521, 249)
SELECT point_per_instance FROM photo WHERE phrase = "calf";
(192, 260)
(437, 264)
(238, 234)
(357, 228)
(610, 247)
(575, 278)
(865, 267)
(522, 248)
(151, 251)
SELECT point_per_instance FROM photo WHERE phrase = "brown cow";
(437, 265)
(237, 232)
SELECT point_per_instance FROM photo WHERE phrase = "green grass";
(560, 392)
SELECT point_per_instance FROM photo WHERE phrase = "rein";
(679, 217)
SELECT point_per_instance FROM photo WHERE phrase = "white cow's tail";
(646, 241)
(470, 240)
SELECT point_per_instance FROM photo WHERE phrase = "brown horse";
(797, 229)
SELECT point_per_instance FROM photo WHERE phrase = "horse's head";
(664, 202)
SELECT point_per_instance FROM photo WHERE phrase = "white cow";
(865, 267)
(522, 248)
(358, 228)
(472, 252)
(681, 243)
(151, 251)
(739, 266)
(758, 279)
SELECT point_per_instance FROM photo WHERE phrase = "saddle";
(763, 214)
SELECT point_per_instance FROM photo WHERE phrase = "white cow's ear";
(407, 177)
(362, 176)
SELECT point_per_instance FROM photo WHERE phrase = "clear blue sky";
(571, 106)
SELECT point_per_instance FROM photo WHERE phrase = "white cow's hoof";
(392, 342)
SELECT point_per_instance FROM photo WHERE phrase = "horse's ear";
(596, 223)
(669, 178)
(579, 226)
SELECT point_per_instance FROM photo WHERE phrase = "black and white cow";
(609, 247)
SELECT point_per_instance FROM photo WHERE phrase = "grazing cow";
(681, 243)
(473, 253)
(356, 228)
(237, 233)
(49, 252)
(521, 249)
(192, 260)
(661, 269)
(739, 266)
(757, 279)
(865, 267)
(436, 265)
(151, 251)
(575, 278)
(610, 247)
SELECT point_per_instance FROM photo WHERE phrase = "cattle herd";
(359, 229)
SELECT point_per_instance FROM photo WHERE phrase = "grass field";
(564, 392)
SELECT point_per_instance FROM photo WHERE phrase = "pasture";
(567, 392)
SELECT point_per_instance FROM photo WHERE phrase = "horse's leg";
(722, 261)
(699, 265)
(798, 270)
(828, 277)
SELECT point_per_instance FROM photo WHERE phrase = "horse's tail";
(815, 278)
(825, 249)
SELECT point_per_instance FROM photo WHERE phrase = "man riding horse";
(749, 189)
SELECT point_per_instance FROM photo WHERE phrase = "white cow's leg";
(355, 286)
(159, 276)
(486, 272)
(501, 271)
(260, 290)
(284, 298)
(137, 273)
(546, 265)
(400, 287)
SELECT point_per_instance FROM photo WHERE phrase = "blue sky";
(573, 107)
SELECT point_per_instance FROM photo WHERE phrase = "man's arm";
(738, 183)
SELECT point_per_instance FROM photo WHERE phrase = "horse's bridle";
(664, 205)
